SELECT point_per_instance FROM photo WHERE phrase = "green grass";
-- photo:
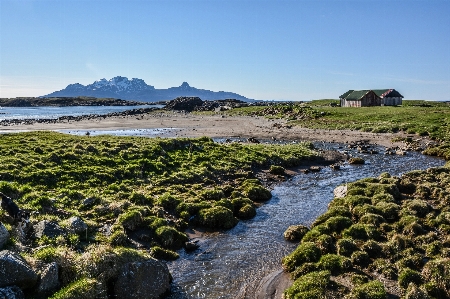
(420, 118)
(410, 117)
(403, 237)
(152, 186)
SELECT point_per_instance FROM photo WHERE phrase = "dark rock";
(47, 228)
(49, 278)
(315, 168)
(88, 202)
(253, 140)
(13, 292)
(184, 103)
(335, 166)
(191, 246)
(143, 280)
(14, 270)
(4, 235)
(77, 225)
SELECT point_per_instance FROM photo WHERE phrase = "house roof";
(346, 94)
(357, 95)
(382, 93)
(354, 95)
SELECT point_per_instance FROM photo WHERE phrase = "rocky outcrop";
(143, 280)
(184, 103)
(4, 235)
(47, 228)
(14, 270)
(221, 105)
(77, 225)
(13, 292)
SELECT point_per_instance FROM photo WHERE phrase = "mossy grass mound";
(392, 234)
(131, 192)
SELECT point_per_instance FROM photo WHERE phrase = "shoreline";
(179, 124)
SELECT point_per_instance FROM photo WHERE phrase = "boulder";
(14, 270)
(4, 235)
(13, 292)
(49, 278)
(47, 228)
(191, 246)
(143, 280)
(77, 225)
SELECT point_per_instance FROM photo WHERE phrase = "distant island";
(137, 90)
(66, 101)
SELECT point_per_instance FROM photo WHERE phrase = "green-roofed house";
(366, 98)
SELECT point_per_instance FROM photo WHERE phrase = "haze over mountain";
(136, 89)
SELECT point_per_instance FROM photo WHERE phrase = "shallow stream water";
(231, 264)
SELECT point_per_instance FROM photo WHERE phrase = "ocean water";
(55, 112)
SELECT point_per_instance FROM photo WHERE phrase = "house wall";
(370, 99)
(346, 103)
(392, 101)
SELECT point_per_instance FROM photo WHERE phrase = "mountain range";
(137, 90)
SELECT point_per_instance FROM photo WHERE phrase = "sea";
(46, 112)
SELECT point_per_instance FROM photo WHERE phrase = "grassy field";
(412, 118)
(145, 190)
(419, 118)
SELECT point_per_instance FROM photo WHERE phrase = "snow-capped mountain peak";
(136, 89)
(120, 84)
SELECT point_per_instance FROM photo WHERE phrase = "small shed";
(360, 98)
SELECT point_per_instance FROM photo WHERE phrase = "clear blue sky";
(283, 50)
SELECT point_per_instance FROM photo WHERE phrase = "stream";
(231, 264)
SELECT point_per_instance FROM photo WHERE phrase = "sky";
(295, 50)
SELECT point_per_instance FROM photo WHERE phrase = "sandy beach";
(219, 125)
